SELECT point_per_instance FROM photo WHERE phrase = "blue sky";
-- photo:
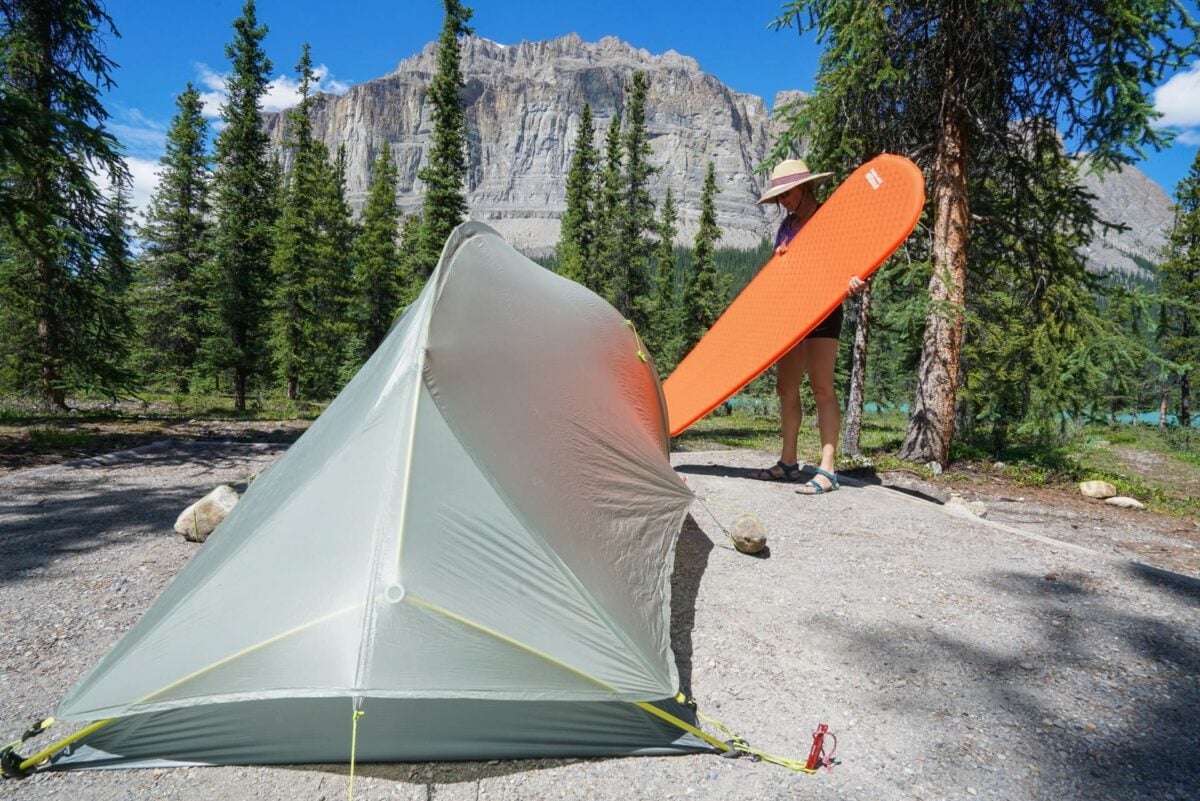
(165, 44)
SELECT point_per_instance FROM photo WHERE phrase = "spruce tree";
(576, 241)
(410, 280)
(245, 206)
(445, 203)
(1180, 277)
(945, 81)
(602, 277)
(297, 253)
(707, 291)
(635, 220)
(176, 244)
(377, 270)
(61, 254)
(332, 287)
(663, 331)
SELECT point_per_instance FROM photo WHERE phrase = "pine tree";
(635, 217)
(378, 280)
(61, 252)
(445, 203)
(602, 277)
(332, 290)
(663, 331)
(297, 253)
(707, 291)
(1180, 276)
(945, 80)
(410, 280)
(176, 243)
(576, 241)
(1036, 342)
(244, 202)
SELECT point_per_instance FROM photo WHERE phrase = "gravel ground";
(1020, 657)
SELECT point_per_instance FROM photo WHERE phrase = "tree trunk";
(53, 395)
(1162, 408)
(1185, 406)
(293, 388)
(47, 273)
(239, 389)
(931, 425)
(852, 429)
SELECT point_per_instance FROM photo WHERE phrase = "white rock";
(975, 508)
(200, 519)
(1124, 502)
(1097, 489)
(748, 534)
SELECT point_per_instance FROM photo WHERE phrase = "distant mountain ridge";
(523, 104)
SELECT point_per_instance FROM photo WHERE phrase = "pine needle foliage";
(244, 201)
(445, 202)
(61, 188)
(176, 244)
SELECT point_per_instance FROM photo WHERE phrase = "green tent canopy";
(472, 547)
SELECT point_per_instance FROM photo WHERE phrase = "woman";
(792, 188)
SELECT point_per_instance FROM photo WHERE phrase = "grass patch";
(1087, 453)
(49, 439)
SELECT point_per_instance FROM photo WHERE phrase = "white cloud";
(214, 82)
(1190, 137)
(1178, 100)
(145, 180)
(141, 136)
(282, 93)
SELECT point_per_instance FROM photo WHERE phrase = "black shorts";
(830, 327)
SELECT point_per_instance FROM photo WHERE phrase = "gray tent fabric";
(472, 546)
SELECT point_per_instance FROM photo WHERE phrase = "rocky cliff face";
(523, 106)
(1130, 199)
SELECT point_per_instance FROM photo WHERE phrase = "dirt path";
(1018, 657)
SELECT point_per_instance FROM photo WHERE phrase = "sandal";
(779, 472)
(813, 487)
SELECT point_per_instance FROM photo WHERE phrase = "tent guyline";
(520, 611)
(14, 766)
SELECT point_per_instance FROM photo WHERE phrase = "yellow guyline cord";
(734, 743)
(54, 748)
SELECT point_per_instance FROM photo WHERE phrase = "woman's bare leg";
(820, 357)
(789, 372)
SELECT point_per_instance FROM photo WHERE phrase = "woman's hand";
(857, 285)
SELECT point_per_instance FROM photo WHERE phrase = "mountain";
(1129, 198)
(523, 104)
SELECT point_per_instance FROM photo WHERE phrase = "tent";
(468, 556)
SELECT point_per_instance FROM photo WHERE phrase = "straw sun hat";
(788, 174)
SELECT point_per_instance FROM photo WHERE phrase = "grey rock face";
(523, 107)
(1127, 197)
(523, 104)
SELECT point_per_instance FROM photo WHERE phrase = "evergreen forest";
(246, 280)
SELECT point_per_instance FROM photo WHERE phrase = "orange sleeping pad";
(865, 220)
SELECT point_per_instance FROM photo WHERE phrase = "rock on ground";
(953, 656)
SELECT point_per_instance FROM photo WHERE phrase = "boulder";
(748, 534)
(1097, 489)
(1124, 502)
(960, 504)
(200, 519)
